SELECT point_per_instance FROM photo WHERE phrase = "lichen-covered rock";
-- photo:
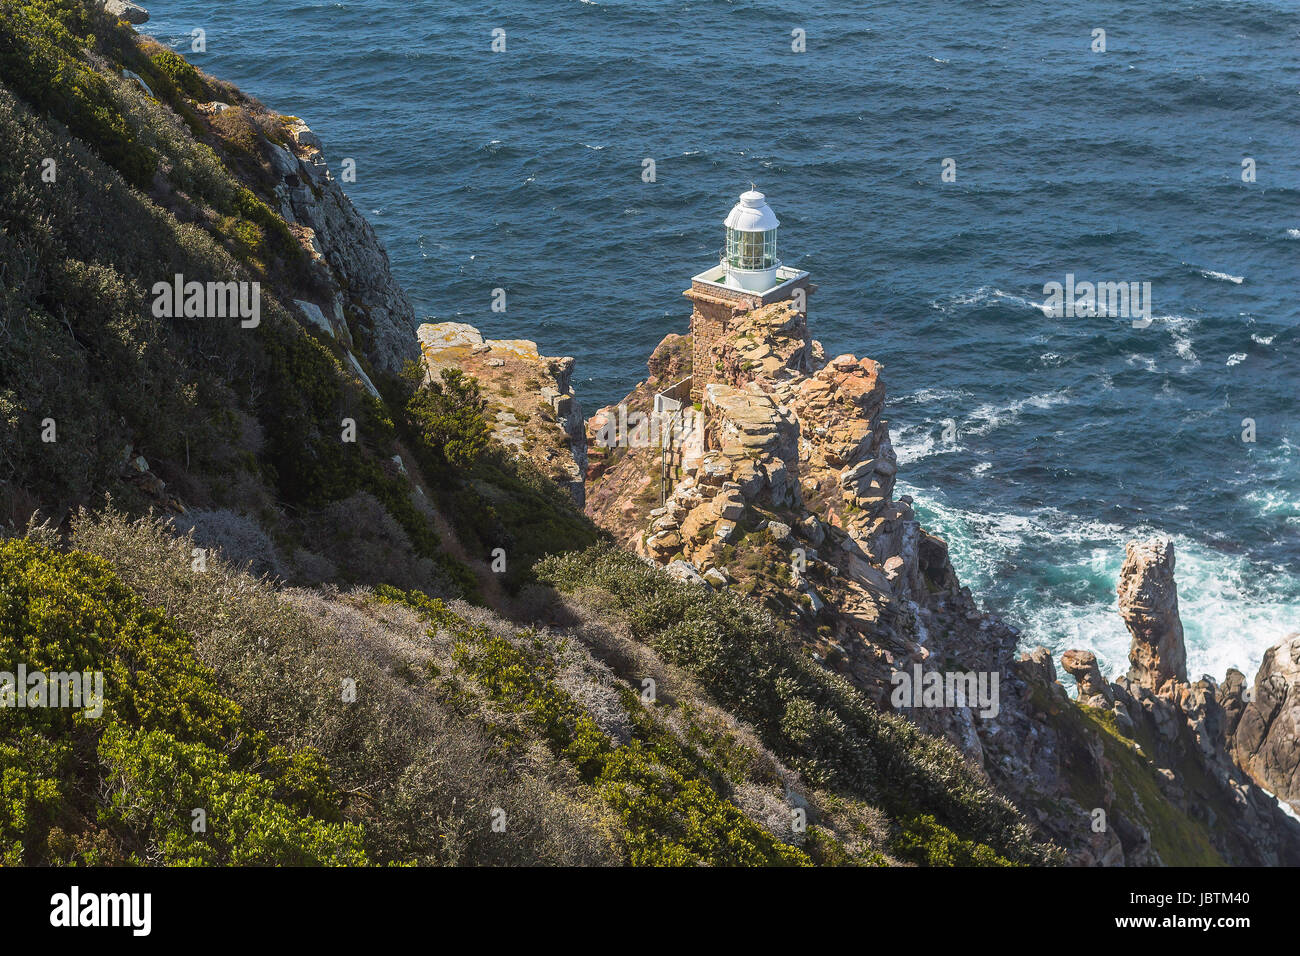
(531, 406)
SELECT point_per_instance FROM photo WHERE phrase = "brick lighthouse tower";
(747, 276)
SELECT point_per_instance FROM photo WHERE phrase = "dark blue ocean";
(523, 170)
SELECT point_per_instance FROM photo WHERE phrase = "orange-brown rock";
(1148, 602)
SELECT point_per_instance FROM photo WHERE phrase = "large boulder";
(124, 10)
(1082, 666)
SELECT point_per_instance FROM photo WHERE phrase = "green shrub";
(182, 75)
(925, 841)
(672, 816)
(120, 787)
(448, 415)
(237, 131)
(417, 767)
(815, 720)
(39, 59)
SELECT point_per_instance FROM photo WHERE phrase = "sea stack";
(1148, 602)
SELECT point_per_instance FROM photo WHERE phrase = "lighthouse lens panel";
(751, 250)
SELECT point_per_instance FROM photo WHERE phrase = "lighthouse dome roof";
(752, 214)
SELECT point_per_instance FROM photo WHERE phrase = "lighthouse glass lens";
(751, 250)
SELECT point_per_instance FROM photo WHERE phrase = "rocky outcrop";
(786, 492)
(1148, 602)
(1196, 741)
(1264, 720)
(132, 13)
(531, 407)
(1082, 666)
(788, 497)
(365, 308)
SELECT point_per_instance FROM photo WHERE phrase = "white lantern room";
(749, 259)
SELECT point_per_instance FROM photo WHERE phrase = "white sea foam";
(984, 295)
(1222, 276)
(1275, 501)
(1262, 339)
(1236, 358)
(917, 442)
(1293, 233)
(1183, 346)
(914, 443)
(988, 417)
(1180, 327)
(927, 396)
(1232, 610)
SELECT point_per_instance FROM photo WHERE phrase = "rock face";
(1148, 602)
(124, 10)
(786, 494)
(1265, 721)
(366, 310)
(531, 406)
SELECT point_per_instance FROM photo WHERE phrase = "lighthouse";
(748, 275)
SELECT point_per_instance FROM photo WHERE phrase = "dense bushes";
(448, 415)
(669, 798)
(925, 841)
(827, 731)
(39, 59)
(123, 787)
(418, 769)
(184, 78)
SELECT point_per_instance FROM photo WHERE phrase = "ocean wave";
(914, 443)
(1183, 346)
(992, 416)
(918, 442)
(1063, 592)
(986, 295)
(926, 396)
(1274, 502)
(1179, 328)
(1218, 276)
